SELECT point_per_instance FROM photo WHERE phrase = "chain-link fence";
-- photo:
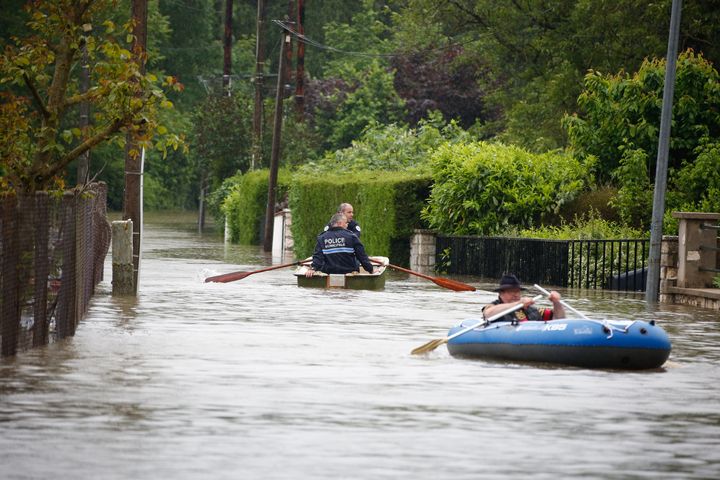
(52, 250)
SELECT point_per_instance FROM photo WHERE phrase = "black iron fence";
(52, 251)
(609, 264)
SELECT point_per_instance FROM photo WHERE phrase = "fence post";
(10, 305)
(123, 281)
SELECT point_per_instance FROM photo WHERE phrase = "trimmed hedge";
(387, 207)
(245, 206)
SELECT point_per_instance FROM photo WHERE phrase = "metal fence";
(52, 250)
(610, 264)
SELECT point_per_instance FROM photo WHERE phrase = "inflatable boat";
(608, 344)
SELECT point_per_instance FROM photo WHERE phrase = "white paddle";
(433, 344)
(564, 304)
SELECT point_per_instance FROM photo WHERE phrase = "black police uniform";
(336, 251)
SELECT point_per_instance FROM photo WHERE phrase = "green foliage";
(39, 92)
(191, 49)
(245, 207)
(538, 51)
(695, 187)
(598, 198)
(716, 281)
(635, 195)
(387, 206)
(371, 99)
(621, 112)
(698, 182)
(589, 226)
(484, 189)
(220, 151)
(391, 147)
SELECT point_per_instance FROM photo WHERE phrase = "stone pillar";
(696, 249)
(668, 264)
(422, 251)
(123, 280)
(282, 235)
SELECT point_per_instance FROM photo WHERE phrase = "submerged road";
(262, 379)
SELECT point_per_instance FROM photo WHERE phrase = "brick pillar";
(422, 251)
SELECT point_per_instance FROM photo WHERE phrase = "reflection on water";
(261, 379)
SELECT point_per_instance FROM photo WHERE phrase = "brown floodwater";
(261, 379)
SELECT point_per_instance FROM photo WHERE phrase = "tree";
(537, 52)
(39, 92)
(620, 112)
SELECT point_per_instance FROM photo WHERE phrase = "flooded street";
(261, 379)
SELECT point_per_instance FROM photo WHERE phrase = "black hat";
(509, 281)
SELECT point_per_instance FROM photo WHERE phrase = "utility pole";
(300, 67)
(227, 46)
(275, 155)
(289, 51)
(256, 157)
(132, 200)
(83, 166)
(653, 277)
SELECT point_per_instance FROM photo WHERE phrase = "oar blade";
(454, 285)
(228, 277)
(428, 347)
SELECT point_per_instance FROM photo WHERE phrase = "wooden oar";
(562, 303)
(443, 282)
(433, 344)
(232, 276)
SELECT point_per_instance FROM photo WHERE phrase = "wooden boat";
(354, 281)
(609, 344)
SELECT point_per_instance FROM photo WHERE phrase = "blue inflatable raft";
(610, 344)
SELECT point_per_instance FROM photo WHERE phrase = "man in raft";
(510, 294)
(338, 250)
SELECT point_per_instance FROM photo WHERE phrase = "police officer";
(338, 250)
(347, 210)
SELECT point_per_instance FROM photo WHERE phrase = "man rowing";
(338, 250)
(510, 292)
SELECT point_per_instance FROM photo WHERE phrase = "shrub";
(484, 189)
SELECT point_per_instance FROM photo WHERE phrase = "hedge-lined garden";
(471, 188)
(387, 206)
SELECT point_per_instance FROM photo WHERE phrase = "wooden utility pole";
(83, 166)
(258, 114)
(132, 200)
(300, 67)
(653, 277)
(227, 46)
(288, 51)
(275, 155)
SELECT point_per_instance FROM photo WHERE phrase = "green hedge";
(387, 207)
(486, 189)
(245, 206)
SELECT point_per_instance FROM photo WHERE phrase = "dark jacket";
(336, 251)
(352, 226)
(531, 313)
